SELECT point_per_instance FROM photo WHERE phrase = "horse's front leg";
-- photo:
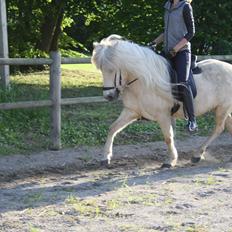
(165, 123)
(126, 117)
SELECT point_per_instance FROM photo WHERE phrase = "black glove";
(171, 54)
(152, 45)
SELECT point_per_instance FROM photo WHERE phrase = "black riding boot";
(188, 105)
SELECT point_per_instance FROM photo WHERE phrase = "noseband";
(120, 83)
(115, 85)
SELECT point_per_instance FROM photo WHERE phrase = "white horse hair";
(142, 78)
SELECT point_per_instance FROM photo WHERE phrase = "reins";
(129, 83)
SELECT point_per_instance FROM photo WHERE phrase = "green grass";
(87, 67)
(26, 131)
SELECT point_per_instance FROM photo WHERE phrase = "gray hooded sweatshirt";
(179, 24)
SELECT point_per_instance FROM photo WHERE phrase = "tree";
(51, 26)
(213, 27)
(37, 24)
(34, 26)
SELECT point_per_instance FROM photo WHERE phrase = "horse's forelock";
(113, 37)
(104, 53)
(103, 56)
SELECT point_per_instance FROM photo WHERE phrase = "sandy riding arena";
(69, 191)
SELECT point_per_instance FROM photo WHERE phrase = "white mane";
(117, 54)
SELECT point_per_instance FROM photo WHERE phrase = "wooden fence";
(55, 100)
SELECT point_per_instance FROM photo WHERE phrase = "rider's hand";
(152, 44)
(171, 53)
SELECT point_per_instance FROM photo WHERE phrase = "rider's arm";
(189, 22)
(159, 39)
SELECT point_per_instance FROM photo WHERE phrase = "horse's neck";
(138, 89)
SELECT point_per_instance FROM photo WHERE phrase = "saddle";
(194, 67)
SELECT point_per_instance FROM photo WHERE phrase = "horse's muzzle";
(111, 95)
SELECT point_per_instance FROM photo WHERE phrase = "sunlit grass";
(88, 67)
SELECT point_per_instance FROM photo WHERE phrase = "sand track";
(69, 191)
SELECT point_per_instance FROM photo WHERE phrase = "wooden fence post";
(4, 69)
(55, 95)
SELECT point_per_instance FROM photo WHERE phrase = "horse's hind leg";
(125, 118)
(229, 124)
(221, 116)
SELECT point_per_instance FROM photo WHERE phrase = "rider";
(179, 30)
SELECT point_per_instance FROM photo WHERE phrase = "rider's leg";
(189, 107)
(182, 63)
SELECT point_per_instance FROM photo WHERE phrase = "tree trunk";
(51, 28)
(54, 44)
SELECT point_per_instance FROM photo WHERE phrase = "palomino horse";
(142, 79)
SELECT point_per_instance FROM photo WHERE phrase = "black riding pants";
(182, 64)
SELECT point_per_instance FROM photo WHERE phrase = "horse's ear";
(95, 44)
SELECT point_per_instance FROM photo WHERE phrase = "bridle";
(120, 83)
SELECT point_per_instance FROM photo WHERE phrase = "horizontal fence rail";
(82, 100)
(42, 61)
(42, 103)
(217, 57)
(24, 104)
(56, 101)
(25, 61)
(66, 60)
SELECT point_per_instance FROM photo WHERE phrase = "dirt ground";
(69, 191)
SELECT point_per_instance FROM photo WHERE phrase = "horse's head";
(104, 58)
(122, 62)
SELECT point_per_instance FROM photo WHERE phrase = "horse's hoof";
(105, 163)
(195, 160)
(166, 166)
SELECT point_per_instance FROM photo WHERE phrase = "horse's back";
(213, 65)
(214, 85)
(215, 71)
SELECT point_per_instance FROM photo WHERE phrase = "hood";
(168, 5)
